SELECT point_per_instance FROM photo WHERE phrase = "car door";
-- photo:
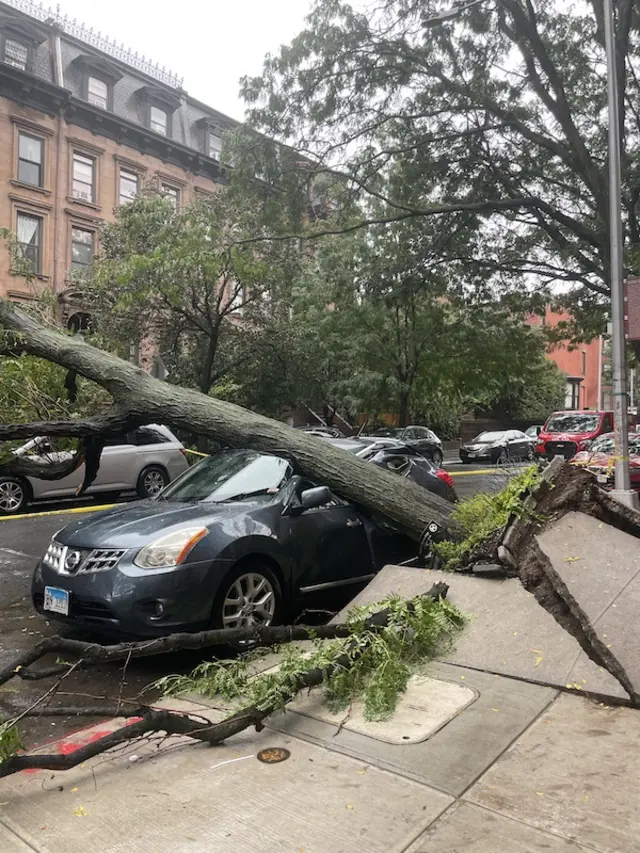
(117, 462)
(329, 545)
(518, 444)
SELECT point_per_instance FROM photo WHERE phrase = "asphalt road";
(23, 540)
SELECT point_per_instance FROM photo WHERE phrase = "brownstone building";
(84, 124)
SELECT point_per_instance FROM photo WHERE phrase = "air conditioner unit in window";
(82, 194)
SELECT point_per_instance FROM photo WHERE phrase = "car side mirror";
(312, 499)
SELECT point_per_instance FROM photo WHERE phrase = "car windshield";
(488, 437)
(605, 444)
(228, 476)
(572, 422)
(389, 432)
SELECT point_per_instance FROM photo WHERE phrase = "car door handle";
(354, 522)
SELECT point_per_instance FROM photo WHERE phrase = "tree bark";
(140, 398)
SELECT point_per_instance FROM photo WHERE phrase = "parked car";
(145, 460)
(599, 458)
(403, 460)
(419, 437)
(233, 542)
(322, 431)
(499, 447)
(567, 433)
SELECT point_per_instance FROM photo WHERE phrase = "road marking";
(75, 509)
(16, 553)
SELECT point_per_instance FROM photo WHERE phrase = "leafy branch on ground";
(482, 516)
(372, 665)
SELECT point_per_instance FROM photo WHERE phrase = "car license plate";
(602, 478)
(56, 600)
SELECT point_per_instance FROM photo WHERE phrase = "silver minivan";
(144, 460)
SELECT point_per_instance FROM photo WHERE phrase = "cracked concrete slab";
(469, 828)
(599, 569)
(574, 774)
(508, 632)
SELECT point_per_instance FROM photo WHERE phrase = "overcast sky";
(211, 43)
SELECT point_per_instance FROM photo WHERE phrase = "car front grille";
(566, 449)
(66, 560)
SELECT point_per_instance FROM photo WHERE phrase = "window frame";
(109, 91)
(33, 136)
(28, 214)
(214, 133)
(79, 226)
(150, 121)
(171, 191)
(78, 152)
(130, 173)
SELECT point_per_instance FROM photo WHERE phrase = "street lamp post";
(622, 489)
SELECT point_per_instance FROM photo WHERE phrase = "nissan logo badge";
(72, 561)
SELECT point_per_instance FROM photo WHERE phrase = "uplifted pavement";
(497, 748)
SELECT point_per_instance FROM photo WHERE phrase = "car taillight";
(445, 476)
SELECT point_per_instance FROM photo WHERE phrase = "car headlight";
(170, 550)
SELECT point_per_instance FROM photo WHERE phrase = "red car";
(567, 433)
(599, 458)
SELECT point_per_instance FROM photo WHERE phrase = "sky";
(210, 43)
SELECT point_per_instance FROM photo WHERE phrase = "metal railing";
(78, 30)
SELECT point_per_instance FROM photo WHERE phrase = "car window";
(116, 440)
(575, 422)
(411, 434)
(389, 432)
(602, 444)
(230, 475)
(634, 444)
(607, 423)
(488, 437)
(147, 435)
(431, 435)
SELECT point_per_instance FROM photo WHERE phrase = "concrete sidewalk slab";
(181, 797)
(466, 828)
(456, 754)
(509, 632)
(12, 843)
(574, 774)
(600, 567)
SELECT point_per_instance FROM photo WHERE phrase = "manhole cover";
(273, 755)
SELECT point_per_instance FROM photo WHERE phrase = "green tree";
(494, 120)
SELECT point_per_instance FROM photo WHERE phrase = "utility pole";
(622, 489)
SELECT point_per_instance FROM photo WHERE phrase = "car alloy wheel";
(152, 481)
(12, 496)
(437, 458)
(503, 457)
(249, 602)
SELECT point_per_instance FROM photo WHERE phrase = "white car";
(144, 460)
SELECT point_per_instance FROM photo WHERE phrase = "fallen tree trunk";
(139, 398)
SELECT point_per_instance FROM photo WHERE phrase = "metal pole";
(618, 350)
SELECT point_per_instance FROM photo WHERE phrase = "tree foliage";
(491, 124)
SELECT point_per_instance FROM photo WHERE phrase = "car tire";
(503, 457)
(151, 481)
(236, 584)
(530, 454)
(437, 458)
(15, 494)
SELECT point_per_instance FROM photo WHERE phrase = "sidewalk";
(487, 753)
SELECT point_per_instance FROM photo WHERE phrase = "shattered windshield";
(573, 422)
(230, 475)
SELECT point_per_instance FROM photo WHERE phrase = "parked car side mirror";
(312, 499)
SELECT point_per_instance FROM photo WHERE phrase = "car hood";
(565, 436)
(601, 460)
(133, 525)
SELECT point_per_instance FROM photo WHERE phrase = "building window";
(29, 232)
(81, 248)
(572, 394)
(16, 53)
(128, 186)
(158, 120)
(83, 177)
(172, 194)
(30, 159)
(215, 146)
(98, 93)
